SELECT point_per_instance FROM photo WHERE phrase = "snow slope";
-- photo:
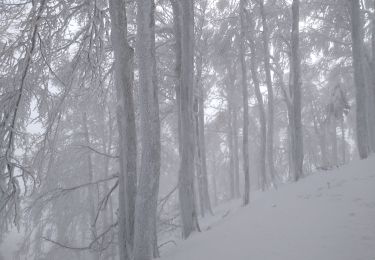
(326, 216)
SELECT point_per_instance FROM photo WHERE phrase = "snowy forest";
(140, 129)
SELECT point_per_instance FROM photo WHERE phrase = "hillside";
(327, 216)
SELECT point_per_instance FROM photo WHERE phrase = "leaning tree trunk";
(148, 188)
(245, 94)
(123, 79)
(360, 87)
(296, 115)
(186, 172)
(267, 67)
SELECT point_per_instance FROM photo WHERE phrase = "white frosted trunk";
(148, 188)
(123, 80)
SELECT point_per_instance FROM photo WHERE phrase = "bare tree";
(123, 78)
(187, 145)
(295, 119)
(245, 96)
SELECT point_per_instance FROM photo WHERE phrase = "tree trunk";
(267, 68)
(335, 156)
(296, 115)
(360, 87)
(148, 188)
(343, 141)
(230, 145)
(176, 6)
(187, 143)
(245, 94)
(92, 191)
(123, 70)
(262, 111)
(236, 160)
(371, 88)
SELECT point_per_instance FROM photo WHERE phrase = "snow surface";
(326, 216)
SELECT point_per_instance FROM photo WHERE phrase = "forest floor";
(329, 215)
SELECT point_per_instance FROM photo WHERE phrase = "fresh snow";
(329, 215)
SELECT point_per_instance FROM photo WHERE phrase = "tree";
(262, 111)
(187, 145)
(270, 103)
(295, 120)
(360, 87)
(148, 189)
(245, 96)
(123, 78)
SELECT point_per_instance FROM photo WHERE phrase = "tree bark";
(270, 103)
(92, 191)
(245, 94)
(187, 145)
(360, 87)
(148, 188)
(262, 111)
(296, 115)
(123, 80)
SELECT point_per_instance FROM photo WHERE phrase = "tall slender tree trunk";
(262, 111)
(267, 67)
(360, 87)
(198, 161)
(335, 157)
(200, 139)
(245, 94)
(176, 6)
(187, 145)
(230, 144)
(148, 188)
(372, 68)
(296, 84)
(92, 190)
(236, 160)
(343, 141)
(123, 78)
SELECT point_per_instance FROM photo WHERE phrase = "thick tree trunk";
(187, 145)
(245, 94)
(123, 70)
(267, 68)
(148, 188)
(361, 108)
(296, 115)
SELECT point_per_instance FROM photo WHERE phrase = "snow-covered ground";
(326, 216)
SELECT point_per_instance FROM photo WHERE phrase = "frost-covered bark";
(360, 87)
(92, 190)
(262, 111)
(245, 96)
(270, 103)
(296, 84)
(187, 145)
(123, 79)
(148, 188)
